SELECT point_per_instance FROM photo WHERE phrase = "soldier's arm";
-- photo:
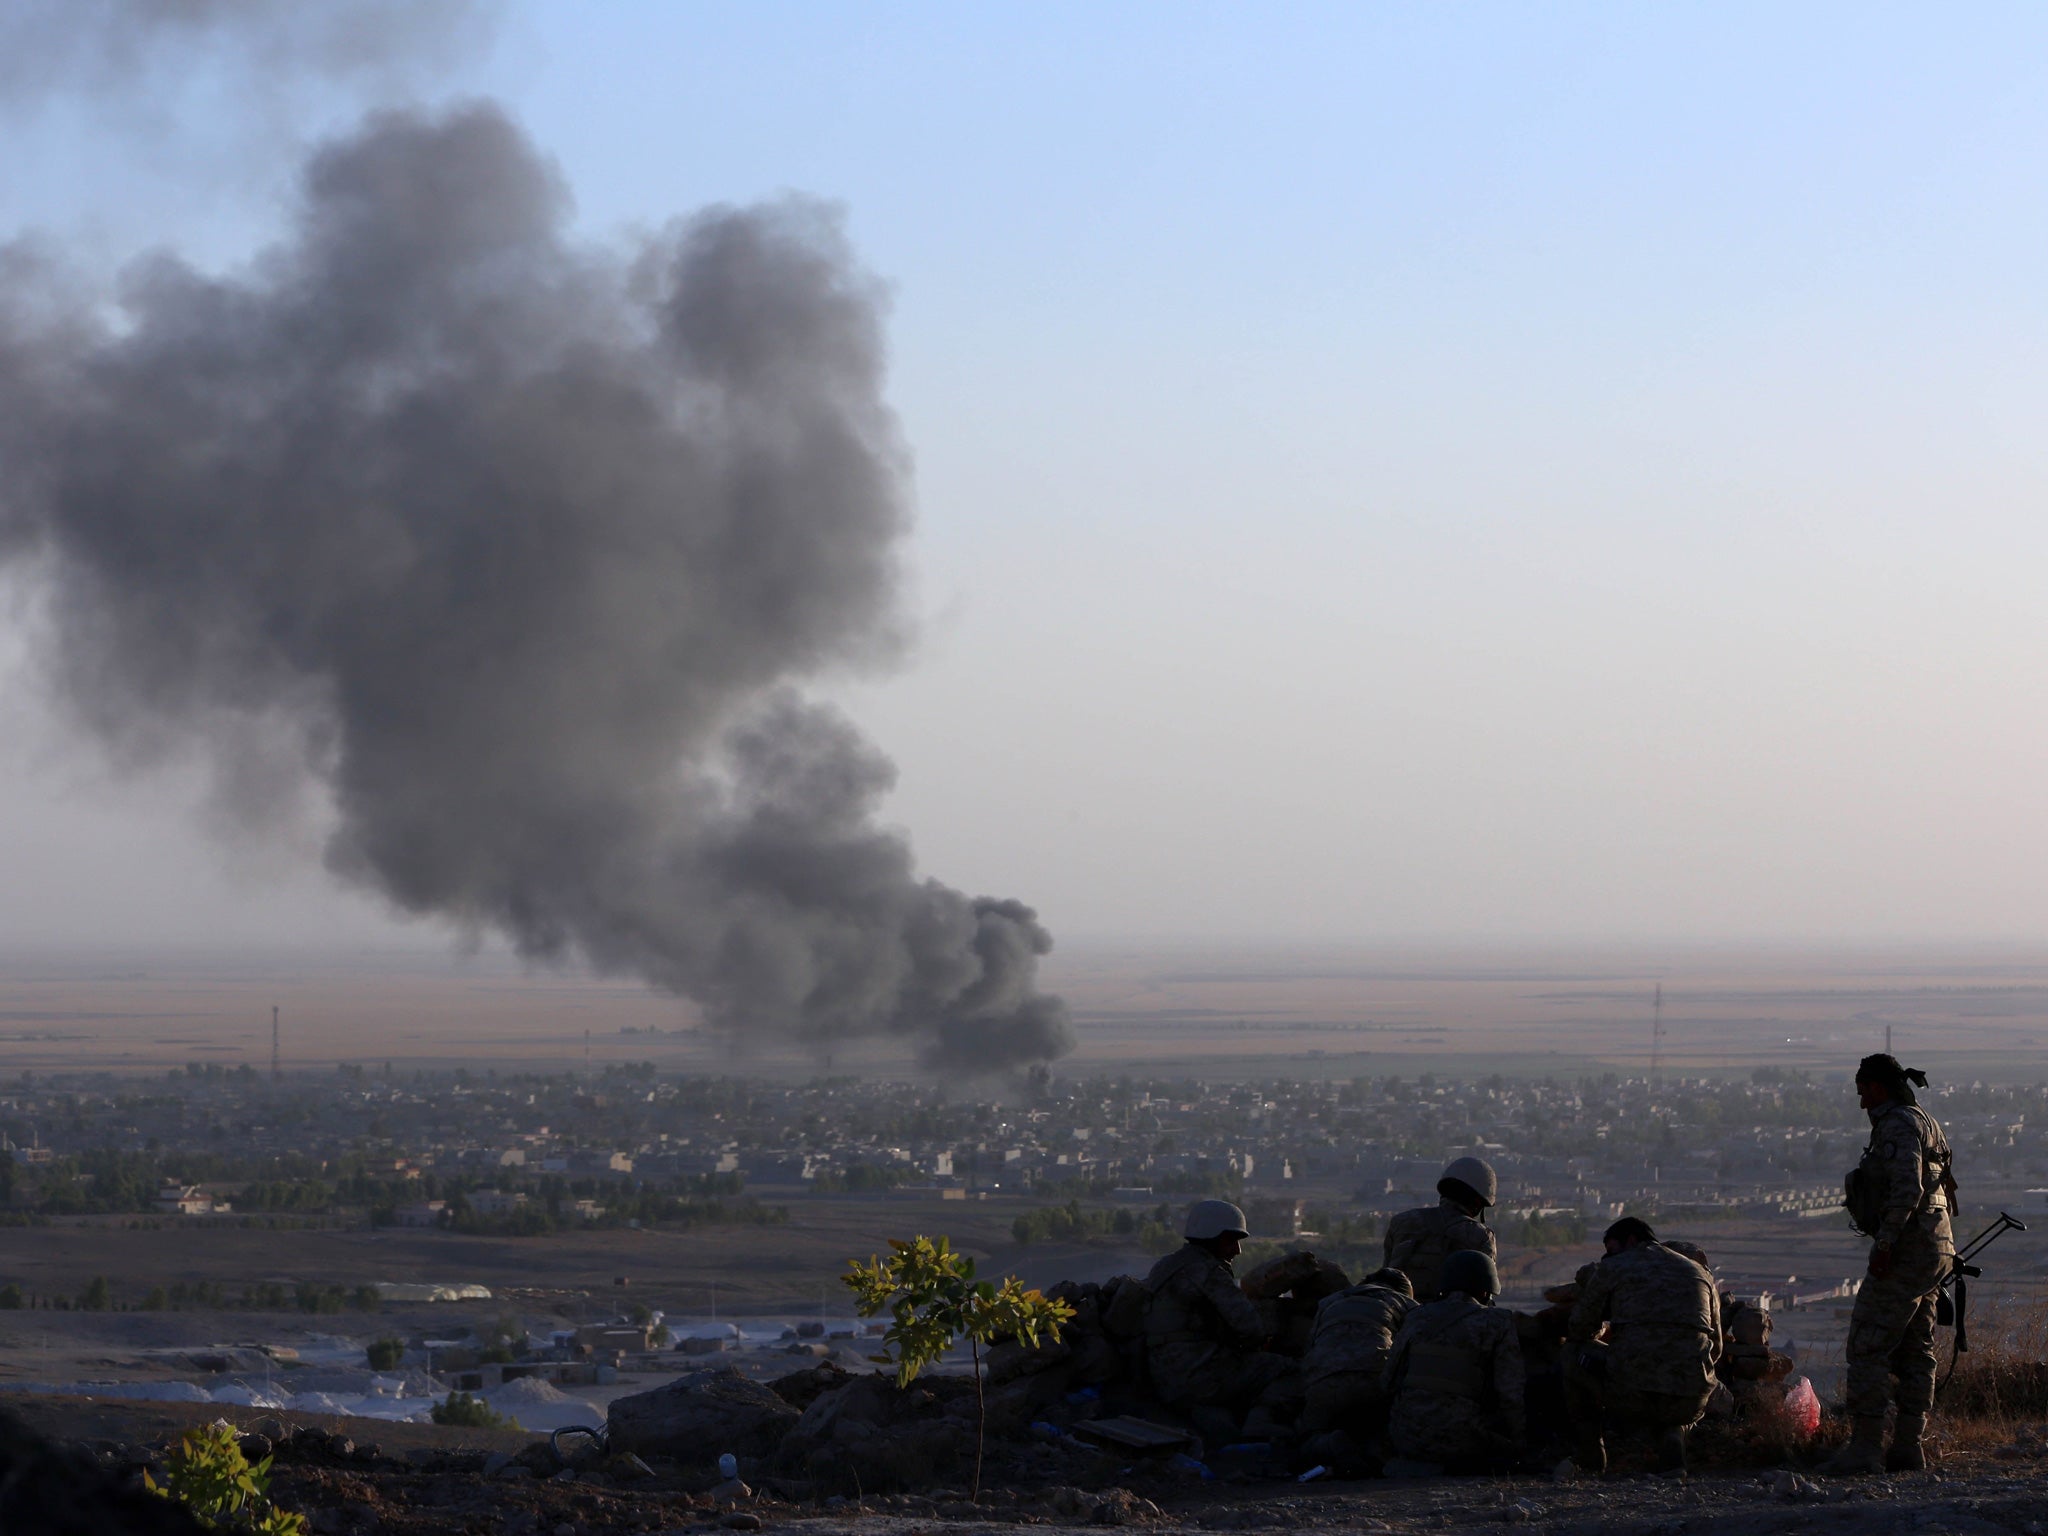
(1397, 1244)
(1396, 1364)
(1899, 1151)
(1590, 1310)
(1232, 1305)
(1509, 1378)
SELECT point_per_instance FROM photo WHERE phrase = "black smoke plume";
(518, 550)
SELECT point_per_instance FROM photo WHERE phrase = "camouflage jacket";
(1354, 1330)
(1419, 1241)
(1197, 1322)
(1663, 1319)
(1910, 1157)
(1455, 1376)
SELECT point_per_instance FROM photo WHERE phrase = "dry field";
(1156, 1011)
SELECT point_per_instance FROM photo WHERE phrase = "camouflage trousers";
(1891, 1333)
(1597, 1395)
(1235, 1381)
(1353, 1401)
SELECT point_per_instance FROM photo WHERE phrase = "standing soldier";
(1455, 1375)
(1901, 1196)
(1419, 1241)
(1347, 1355)
(1656, 1370)
(1203, 1338)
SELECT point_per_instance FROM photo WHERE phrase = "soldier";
(1203, 1337)
(1455, 1375)
(1347, 1355)
(1656, 1370)
(1418, 1241)
(1901, 1196)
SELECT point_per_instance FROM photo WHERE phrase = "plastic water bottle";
(728, 1466)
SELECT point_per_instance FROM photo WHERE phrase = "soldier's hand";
(1880, 1263)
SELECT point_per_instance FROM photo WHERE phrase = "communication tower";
(1657, 1033)
(276, 1057)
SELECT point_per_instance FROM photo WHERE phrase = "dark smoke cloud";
(518, 551)
(102, 46)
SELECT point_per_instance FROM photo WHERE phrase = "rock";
(1120, 1506)
(802, 1388)
(731, 1491)
(810, 1351)
(699, 1415)
(810, 1330)
(254, 1446)
(1790, 1485)
(271, 1428)
(629, 1467)
(741, 1521)
(1008, 1361)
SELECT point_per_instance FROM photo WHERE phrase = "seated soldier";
(1345, 1366)
(1418, 1241)
(1656, 1370)
(1203, 1337)
(1454, 1376)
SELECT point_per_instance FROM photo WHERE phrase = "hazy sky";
(1384, 471)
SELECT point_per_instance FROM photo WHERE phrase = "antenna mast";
(276, 1059)
(1657, 1033)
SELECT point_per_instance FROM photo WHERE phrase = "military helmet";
(1692, 1251)
(1476, 1174)
(1472, 1272)
(1214, 1218)
(1393, 1279)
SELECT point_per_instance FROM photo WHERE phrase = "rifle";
(1953, 1311)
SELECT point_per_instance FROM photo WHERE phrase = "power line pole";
(1657, 1033)
(276, 1056)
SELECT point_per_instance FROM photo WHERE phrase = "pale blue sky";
(1467, 471)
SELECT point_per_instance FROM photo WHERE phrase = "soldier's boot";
(1589, 1452)
(1909, 1448)
(1863, 1454)
(1671, 1451)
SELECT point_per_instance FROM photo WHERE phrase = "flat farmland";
(1158, 1011)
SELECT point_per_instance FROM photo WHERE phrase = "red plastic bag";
(1802, 1407)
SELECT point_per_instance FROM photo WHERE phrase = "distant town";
(531, 1153)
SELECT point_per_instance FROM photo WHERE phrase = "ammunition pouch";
(1863, 1198)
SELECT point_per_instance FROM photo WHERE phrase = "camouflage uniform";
(1419, 1241)
(1202, 1336)
(1663, 1318)
(1891, 1330)
(1455, 1377)
(1347, 1356)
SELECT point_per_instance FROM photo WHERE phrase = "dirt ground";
(423, 1480)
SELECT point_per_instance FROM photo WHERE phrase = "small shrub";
(932, 1295)
(208, 1474)
(10, 1298)
(385, 1353)
(471, 1413)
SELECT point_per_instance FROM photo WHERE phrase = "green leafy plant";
(471, 1413)
(385, 1353)
(208, 1474)
(934, 1300)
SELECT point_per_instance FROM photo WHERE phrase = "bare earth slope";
(422, 1480)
